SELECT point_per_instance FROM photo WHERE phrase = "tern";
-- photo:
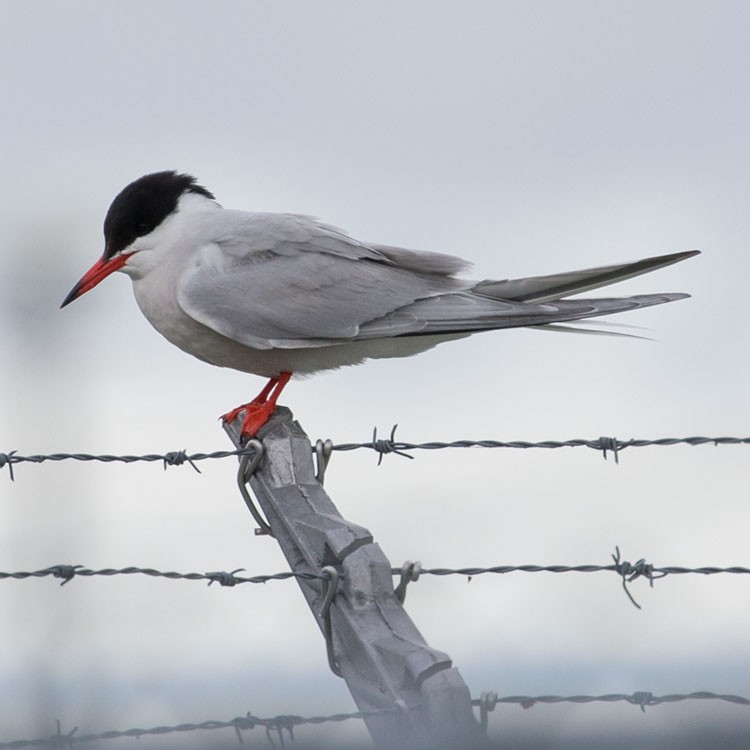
(276, 294)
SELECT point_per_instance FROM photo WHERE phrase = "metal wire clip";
(487, 703)
(410, 571)
(248, 464)
(330, 589)
(323, 451)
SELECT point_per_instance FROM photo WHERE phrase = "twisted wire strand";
(278, 723)
(382, 446)
(68, 572)
(171, 458)
(639, 698)
(602, 444)
(287, 722)
(627, 571)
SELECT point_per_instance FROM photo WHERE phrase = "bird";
(277, 294)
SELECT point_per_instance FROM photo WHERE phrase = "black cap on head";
(143, 205)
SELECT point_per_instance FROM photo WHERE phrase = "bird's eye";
(143, 228)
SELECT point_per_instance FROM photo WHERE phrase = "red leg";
(259, 410)
(230, 416)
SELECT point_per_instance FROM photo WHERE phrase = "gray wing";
(286, 281)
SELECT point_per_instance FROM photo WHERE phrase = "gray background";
(528, 137)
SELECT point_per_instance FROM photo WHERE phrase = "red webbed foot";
(261, 408)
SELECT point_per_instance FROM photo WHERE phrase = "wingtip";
(678, 257)
(666, 260)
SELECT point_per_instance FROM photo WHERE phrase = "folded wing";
(309, 285)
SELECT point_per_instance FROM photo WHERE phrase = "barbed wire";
(278, 724)
(288, 722)
(69, 572)
(601, 444)
(171, 458)
(627, 571)
(382, 446)
(640, 698)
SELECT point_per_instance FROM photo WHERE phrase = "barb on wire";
(66, 572)
(177, 458)
(7, 458)
(223, 578)
(609, 444)
(636, 570)
(382, 446)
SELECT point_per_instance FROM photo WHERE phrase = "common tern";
(278, 293)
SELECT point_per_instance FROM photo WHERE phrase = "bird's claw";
(255, 416)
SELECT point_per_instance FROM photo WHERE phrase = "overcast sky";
(528, 137)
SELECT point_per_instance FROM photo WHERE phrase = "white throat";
(179, 233)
